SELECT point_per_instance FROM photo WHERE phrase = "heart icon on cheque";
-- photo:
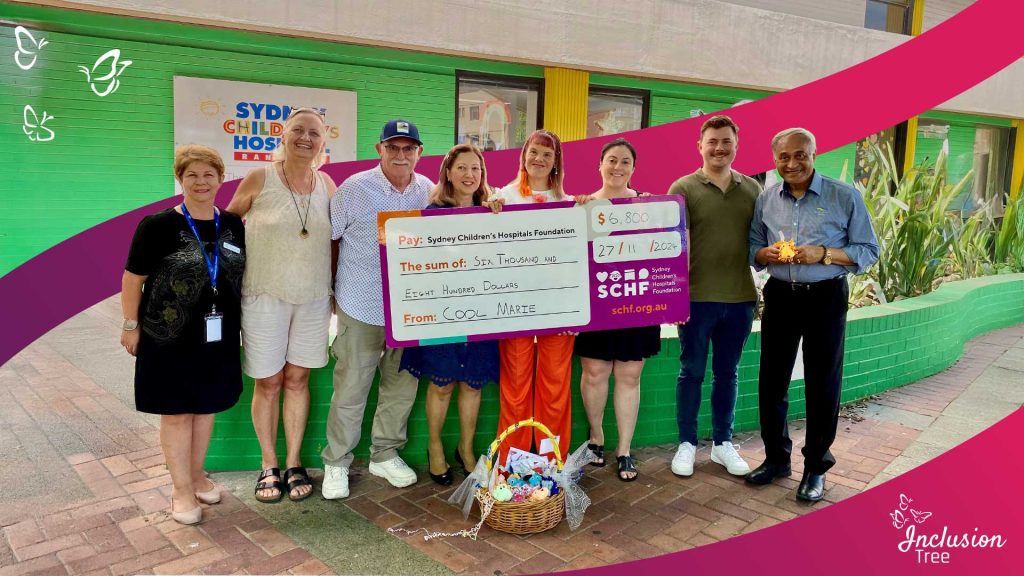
(602, 276)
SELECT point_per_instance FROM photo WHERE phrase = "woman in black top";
(619, 352)
(180, 298)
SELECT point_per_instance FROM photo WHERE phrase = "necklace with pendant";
(302, 219)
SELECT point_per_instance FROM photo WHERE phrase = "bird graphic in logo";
(33, 126)
(27, 47)
(109, 70)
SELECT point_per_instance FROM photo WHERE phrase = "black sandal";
(262, 484)
(598, 450)
(627, 464)
(297, 477)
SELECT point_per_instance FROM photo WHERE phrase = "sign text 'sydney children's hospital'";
(465, 274)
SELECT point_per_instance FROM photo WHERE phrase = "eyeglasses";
(392, 149)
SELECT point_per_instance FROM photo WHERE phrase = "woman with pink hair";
(536, 388)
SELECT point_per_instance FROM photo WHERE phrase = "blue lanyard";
(211, 266)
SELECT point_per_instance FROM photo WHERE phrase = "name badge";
(213, 326)
(232, 247)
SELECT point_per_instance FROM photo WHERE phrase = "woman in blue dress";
(470, 365)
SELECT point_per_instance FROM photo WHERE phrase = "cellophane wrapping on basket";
(576, 500)
(466, 492)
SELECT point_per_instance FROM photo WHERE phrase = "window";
(503, 110)
(889, 15)
(982, 150)
(610, 111)
(991, 168)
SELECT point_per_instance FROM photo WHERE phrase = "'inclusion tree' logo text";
(934, 547)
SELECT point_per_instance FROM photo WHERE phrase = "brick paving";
(662, 513)
(100, 506)
(126, 529)
(101, 497)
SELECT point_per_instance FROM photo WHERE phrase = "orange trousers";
(545, 397)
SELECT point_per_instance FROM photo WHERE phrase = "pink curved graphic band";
(876, 94)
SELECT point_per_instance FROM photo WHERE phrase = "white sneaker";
(726, 455)
(682, 462)
(395, 471)
(335, 483)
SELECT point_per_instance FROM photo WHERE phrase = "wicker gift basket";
(528, 517)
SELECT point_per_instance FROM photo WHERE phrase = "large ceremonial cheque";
(467, 274)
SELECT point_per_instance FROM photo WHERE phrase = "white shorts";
(274, 331)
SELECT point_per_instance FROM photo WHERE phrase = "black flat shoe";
(812, 487)
(445, 479)
(765, 473)
(598, 450)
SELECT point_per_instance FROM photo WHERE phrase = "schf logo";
(629, 282)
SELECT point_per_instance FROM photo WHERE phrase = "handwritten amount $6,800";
(630, 217)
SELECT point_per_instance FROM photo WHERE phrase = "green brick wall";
(886, 347)
(113, 154)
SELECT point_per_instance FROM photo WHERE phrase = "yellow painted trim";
(1017, 176)
(910, 146)
(565, 102)
(917, 18)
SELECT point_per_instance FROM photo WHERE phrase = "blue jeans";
(725, 327)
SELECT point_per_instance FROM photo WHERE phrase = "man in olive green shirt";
(719, 208)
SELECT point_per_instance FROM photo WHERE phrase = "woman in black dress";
(618, 352)
(180, 298)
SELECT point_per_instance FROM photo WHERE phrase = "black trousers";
(817, 313)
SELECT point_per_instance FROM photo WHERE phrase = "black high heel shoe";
(445, 479)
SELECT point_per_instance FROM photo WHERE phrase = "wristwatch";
(827, 258)
(129, 325)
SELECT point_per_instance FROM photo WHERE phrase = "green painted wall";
(886, 347)
(113, 154)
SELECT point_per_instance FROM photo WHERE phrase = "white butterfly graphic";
(110, 72)
(33, 126)
(27, 46)
(898, 519)
(920, 517)
(904, 501)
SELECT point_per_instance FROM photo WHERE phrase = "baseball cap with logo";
(400, 129)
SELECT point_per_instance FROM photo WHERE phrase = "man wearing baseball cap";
(359, 347)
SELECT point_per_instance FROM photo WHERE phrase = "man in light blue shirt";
(359, 348)
(806, 297)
